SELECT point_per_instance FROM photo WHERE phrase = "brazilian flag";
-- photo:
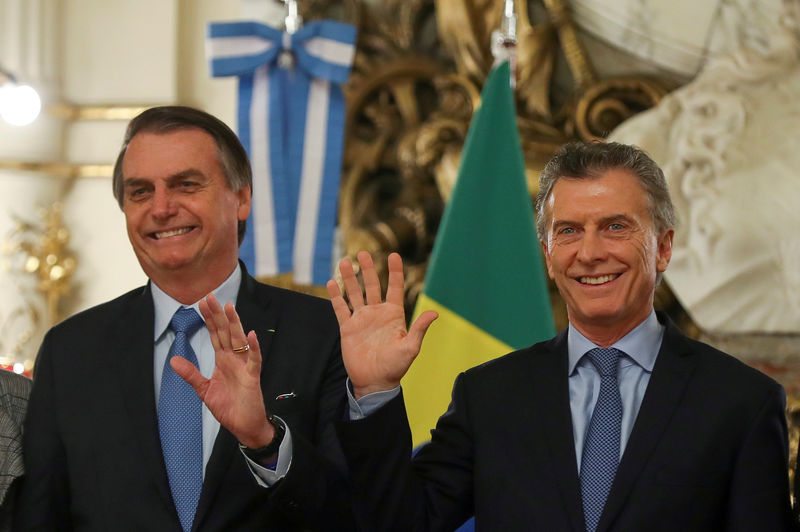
(485, 277)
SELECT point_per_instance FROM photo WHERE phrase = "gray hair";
(232, 155)
(587, 160)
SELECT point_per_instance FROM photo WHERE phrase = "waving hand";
(233, 393)
(376, 347)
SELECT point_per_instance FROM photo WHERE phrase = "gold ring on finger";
(244, 349)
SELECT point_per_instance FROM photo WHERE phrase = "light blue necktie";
(601, 446)
(180, 422)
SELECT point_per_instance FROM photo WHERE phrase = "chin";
(602, 315)
(171, 263)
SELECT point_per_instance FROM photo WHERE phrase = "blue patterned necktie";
(601, 446)
(180, 422)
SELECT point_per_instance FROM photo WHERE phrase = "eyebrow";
(138, 181)
(129, 182)
(562, 223)
(189, 172)
(615, 218)
(603, 221)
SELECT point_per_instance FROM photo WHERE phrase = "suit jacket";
(708, 450)
(14, 392)
(92, 449)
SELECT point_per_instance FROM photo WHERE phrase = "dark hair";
(232, 155)
(586, 160)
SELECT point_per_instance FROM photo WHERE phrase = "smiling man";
(115, 439)
(619, 423)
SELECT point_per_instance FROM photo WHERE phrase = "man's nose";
(163, 203)
(592, 248)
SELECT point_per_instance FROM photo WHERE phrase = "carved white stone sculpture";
(729, 144)
(678, 36)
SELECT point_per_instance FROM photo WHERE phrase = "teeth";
(597, 280)
(165, 234)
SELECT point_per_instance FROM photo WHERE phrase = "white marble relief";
(679, 35)
(729, 143)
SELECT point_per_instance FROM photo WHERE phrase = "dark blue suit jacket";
(708, 451)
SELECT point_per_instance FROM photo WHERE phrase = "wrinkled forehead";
(612, 191)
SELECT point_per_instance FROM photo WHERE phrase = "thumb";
(189, 372)
(418, 329)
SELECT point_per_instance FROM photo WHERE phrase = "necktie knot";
(605, 360)
(185, 320)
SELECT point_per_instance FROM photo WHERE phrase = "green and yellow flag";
(485, 277)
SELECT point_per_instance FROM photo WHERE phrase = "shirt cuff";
(268, 477)
(368, 404)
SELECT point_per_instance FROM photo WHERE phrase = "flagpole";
(505, 45)
(293, 20)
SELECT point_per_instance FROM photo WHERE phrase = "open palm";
(233, 393)
(376, 347)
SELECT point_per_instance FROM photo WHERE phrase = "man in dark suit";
(115, 439)
(618, 423)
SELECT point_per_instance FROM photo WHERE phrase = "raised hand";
(233, 393)
(376, 347)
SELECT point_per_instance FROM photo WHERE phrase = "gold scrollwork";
(43, 251)
(609, 102)
(39, 251)
(793, 416)
(405, 107)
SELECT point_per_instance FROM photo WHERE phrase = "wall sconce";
(19, 104)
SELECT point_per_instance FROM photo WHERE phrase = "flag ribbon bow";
(291, 122)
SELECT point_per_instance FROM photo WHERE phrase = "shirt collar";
(165, 306)
(640, 345)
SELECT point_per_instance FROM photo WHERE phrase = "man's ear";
(546, 253)
(244, 196)
(664, 250)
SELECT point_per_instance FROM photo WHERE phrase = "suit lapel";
(258, 315)
(671, 374)
(550, 390)
(134, 364)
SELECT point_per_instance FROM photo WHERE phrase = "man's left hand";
(233, 393)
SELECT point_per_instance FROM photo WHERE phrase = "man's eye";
(616, 227)
(137, 193)
(567, 231)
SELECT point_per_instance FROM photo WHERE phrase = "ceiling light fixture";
(19, 104)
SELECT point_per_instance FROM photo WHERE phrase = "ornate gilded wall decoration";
(793, 415)
(38, 251)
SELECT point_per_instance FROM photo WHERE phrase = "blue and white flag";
(291, 122)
